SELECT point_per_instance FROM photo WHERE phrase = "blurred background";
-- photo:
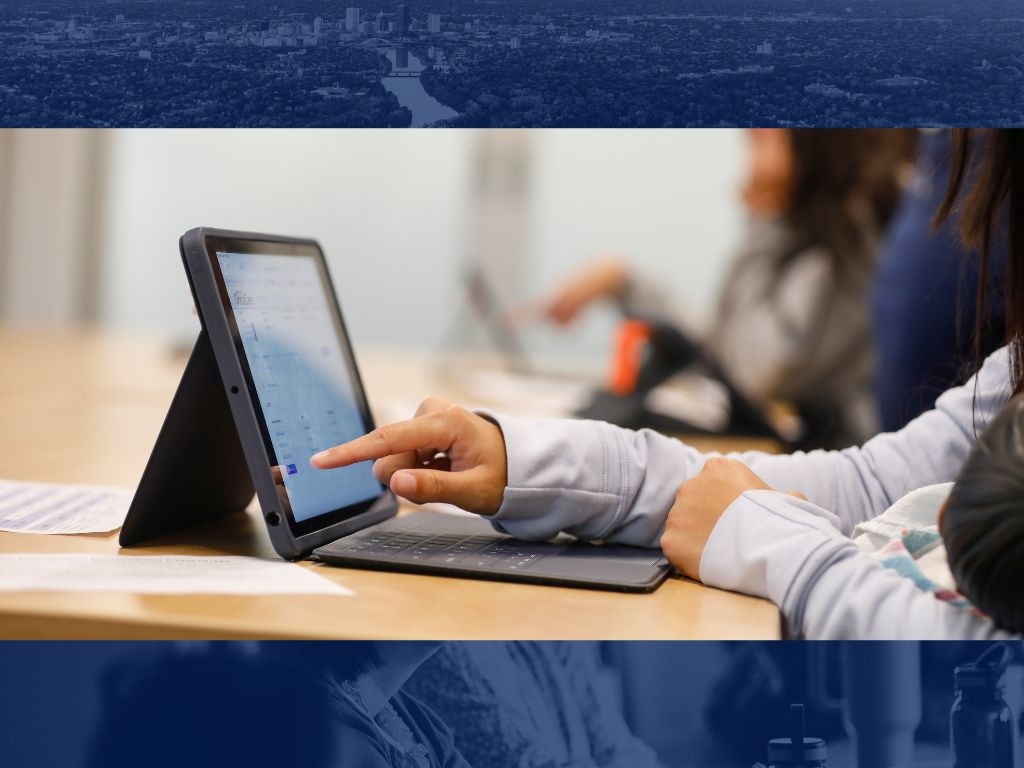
(687, 704)
(802, 265)
(89, 220)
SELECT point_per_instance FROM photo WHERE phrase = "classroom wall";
(392, 211)
(388, 210)
(665, 200)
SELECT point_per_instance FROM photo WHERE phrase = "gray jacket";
(600, 482)
(802, 335)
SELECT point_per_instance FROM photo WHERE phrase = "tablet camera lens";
(273, 518)
(234, 390)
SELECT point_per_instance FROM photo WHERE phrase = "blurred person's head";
(766, 191)
(218, 707)
(832, 187)
(982, 523)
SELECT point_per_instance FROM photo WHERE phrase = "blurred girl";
(792, 322)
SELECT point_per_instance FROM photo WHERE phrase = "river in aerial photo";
(410, 91)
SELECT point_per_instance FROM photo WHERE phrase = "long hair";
(986, 183)
(846, 184)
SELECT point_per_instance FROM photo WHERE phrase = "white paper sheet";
(160, 574)
(46, 508)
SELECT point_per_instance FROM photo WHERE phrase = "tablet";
(269, 309)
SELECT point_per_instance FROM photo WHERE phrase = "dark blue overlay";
(501, 705)
(474, 63)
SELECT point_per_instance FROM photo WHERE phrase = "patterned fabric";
(905, 539)
(529, 705)
(404, 734)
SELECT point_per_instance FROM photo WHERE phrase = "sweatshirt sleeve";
(858, 484)
(589, 479)
(790, 551)
(645, 295)
(600, 482)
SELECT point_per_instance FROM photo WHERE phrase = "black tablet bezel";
(246, 244)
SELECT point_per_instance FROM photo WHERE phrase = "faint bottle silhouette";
(982, 728)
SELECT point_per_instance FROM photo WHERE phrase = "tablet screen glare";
(305, 388)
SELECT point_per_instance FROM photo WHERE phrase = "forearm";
(790, 552)
(860, 483)
(598, 481)
(590, 479)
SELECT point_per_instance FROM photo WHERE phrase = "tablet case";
(196, 471)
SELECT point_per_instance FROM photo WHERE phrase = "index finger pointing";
(419, 433)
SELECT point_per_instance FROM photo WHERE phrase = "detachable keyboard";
(504, 553)
(456, 545)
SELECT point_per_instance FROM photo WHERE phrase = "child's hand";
(699, 503)
(444, 454)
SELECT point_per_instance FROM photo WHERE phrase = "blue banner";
(467, 63)
(510, 704)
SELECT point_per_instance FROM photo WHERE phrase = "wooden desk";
(86, 407)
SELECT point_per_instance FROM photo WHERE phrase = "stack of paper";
(45, 508)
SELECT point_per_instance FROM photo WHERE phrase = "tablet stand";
(196, 471)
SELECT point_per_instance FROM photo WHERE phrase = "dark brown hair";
(986, 183)
(983, 525)
(844, 180)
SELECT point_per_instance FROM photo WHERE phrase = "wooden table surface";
(85, 407)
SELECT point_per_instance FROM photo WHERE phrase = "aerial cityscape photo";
(480, 63)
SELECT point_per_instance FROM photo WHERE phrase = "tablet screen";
(304, 380)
